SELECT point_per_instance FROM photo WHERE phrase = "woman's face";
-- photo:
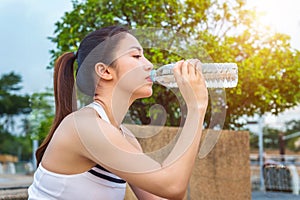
(132, 72)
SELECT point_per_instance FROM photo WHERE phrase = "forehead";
(128, 43)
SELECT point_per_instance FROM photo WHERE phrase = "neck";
(115, 104)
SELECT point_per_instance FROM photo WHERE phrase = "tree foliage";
(293, 126)
(12, 104)
(41, 117)
(269, 69)
(271, 136)
(17, 145)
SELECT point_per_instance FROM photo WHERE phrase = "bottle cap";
(152, 75)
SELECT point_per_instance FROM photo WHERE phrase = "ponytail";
(64, 93)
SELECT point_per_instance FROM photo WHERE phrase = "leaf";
(226, 32)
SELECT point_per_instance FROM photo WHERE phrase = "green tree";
(7, 142)
(270, 138)
(293, 126)
(269, 68)
(12, 104)
(35, 125)
(41, 117)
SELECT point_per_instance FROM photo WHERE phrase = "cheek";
(131, 79)
(124, 69)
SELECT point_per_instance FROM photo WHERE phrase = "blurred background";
(261, 36)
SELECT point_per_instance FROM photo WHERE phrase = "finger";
(198, 67)
(184, 68)
(177, 70)
(191, 66)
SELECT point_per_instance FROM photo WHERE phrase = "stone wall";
(14, 194)
(8, 158)
(222, 174)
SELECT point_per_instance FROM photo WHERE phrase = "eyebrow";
(136, 47)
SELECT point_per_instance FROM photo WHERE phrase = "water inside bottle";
(167, 81)
(216, 75)
(211, 81)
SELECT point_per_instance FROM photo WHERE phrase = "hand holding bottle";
(191, 83)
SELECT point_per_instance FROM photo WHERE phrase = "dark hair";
(95, 47)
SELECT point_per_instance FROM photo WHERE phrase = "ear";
(103, 71)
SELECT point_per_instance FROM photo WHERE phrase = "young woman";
(88, 154)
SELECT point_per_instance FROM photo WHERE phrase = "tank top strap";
(100, 110)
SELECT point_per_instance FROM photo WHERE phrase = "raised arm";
(105, 145)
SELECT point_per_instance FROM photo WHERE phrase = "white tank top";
(97, 183)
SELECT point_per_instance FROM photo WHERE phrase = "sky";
(282, 15)
(26, 24)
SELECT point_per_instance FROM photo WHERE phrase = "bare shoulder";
(84, 120)
(94, 131)
(65, 150)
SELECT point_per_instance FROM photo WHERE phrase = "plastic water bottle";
(216, 75)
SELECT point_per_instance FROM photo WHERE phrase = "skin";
(69, 151)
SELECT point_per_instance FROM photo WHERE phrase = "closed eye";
(137, 56)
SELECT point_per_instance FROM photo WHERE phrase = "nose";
(148, 65)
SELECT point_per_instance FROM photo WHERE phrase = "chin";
(143, 93)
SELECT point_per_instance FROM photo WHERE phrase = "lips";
(148, 78)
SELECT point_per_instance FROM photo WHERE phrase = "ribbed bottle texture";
(217, 75)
